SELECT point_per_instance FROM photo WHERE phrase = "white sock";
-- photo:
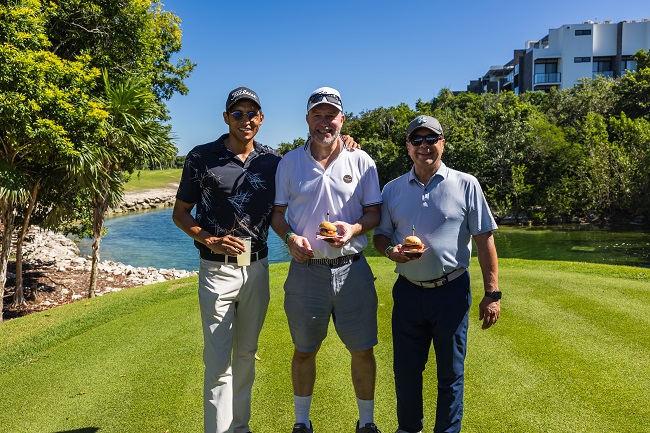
(302, 406)
(366, 411)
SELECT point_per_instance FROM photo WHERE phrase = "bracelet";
(287, 236)
(387, 252)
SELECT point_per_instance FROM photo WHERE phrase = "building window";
(546, 72)
(546, 67)
(627, 65)
(586, 32)
(581, 59)
(603, 66)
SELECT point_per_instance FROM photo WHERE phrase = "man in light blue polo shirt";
(445, 208)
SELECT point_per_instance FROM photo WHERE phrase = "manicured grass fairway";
(570, 354)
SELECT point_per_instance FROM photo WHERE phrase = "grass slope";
(153, 179)
(569, 354)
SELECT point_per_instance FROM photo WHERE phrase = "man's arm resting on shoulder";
(183, 218)
(489, 309)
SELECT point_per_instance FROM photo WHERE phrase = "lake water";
(144, 239)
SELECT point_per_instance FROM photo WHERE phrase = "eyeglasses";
(238, 115)
(318, 97)
(431, 139)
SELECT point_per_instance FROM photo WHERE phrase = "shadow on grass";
(81, 430)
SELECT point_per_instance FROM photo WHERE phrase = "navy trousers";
(423, 316)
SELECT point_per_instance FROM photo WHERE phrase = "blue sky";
(376, 53)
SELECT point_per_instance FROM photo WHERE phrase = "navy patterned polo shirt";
(231, 197)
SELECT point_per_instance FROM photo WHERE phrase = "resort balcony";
(555, 77)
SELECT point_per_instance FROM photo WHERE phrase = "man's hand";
(489, 311)
(300, 248)
(397, 255)
(228, 245)
(345, 231)
(350, 144)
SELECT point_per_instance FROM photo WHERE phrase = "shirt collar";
(308, 144)
(443, 171)
(219, 146)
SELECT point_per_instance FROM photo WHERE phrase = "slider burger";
(412, 244)
(327, 229)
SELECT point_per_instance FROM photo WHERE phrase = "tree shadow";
(81, 430)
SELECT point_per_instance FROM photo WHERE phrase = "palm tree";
(134, 138)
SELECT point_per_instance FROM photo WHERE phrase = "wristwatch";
(496, 295)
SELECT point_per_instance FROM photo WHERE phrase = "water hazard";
(145, 239)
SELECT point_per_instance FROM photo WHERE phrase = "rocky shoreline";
(48, 249)
(55, 274)
(145, 200)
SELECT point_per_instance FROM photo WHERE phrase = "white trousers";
(233, 301)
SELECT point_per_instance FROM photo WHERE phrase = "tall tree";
(125, 37)
(46, 109)
(134, 137)
(634, 89)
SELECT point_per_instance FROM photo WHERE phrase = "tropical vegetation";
(83, 86)
(579, 154)
(82, 91)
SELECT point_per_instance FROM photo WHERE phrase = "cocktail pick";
(413, 230)
(328, 216)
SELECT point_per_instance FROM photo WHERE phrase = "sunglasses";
(326, 96)
(431, 139)
(238, 115)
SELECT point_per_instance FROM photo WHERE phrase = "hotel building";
(567, 54)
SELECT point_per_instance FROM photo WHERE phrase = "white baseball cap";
(325, 95)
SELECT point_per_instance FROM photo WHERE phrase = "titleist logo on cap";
(242, 92)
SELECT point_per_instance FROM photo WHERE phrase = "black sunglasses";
(326, 96)
(431, 139)
(239, 115)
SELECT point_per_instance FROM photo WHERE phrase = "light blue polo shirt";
(446, 212)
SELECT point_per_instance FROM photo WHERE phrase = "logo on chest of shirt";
(347, 178)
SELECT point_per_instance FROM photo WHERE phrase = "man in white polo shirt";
(328, 277)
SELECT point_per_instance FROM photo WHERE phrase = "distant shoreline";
(146, 199)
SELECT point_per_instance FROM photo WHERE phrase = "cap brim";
(338, 107)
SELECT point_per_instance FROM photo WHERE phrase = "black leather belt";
(343, 260)
(258, 255)
(439, 281)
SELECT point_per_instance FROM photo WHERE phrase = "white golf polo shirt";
(310, 191)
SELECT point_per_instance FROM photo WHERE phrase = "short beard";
(329, 141)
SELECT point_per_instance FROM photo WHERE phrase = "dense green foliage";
(567, 155)
(82, 91)
(568, 354)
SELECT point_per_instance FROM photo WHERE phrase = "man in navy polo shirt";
(446, 209)
(231, 181)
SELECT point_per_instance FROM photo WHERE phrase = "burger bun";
(326, 228)
(412, 246)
